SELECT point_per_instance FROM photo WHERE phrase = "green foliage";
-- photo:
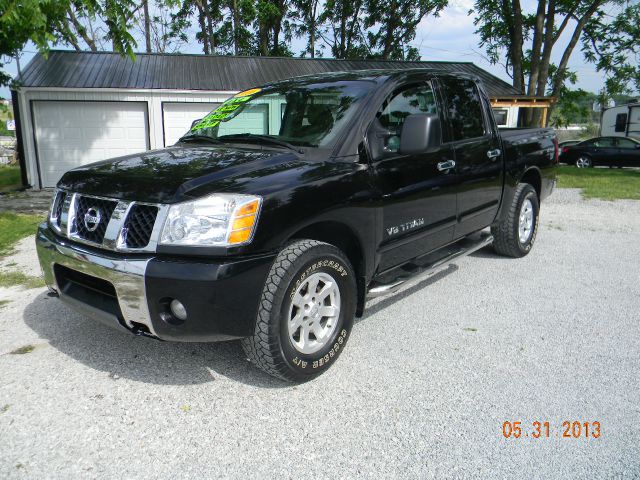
(614, 47)
(571, 108)
(396, 22)
(48, 22)
(524, 41)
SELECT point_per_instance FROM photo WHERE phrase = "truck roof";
(379, 75)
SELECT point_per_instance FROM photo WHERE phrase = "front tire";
(515, 235)
(306, 312)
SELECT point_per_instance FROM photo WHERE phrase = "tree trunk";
(82, 32)
(543, 76)
(235, 20)
(536, 47)
(203, 29)
(562, 66)
(147, 25)
(518, 41)
(312, 28)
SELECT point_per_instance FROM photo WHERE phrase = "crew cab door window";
(464, 109)
(412, 100)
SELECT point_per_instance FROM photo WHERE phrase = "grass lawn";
(13, 228)
(9, 178)
(604, 183)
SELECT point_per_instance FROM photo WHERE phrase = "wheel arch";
(344, 238)
(533, 177)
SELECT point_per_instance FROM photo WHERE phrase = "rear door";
(478, 158)
(629, 152)
(418, 196)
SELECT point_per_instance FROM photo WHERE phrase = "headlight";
(217, 220)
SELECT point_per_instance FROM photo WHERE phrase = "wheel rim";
(525, 225)
(582, 162)
(314, 313)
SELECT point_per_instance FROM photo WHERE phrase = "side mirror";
(194, 122)
(420, 132)
(638, 145)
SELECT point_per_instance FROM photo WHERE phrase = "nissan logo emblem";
(92, 219)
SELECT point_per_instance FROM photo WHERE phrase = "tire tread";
(262, 347)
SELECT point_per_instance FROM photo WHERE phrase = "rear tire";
(516, 233)
(306, 312)
(584, 161)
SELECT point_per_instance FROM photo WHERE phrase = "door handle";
(447, 165)
(494, 153)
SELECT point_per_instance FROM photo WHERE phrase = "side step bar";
(462, 248)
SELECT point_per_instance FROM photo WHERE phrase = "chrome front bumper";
(126, 275)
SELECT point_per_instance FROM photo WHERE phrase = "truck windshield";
(300, 114)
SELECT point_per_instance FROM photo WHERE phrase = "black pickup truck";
(278, 214)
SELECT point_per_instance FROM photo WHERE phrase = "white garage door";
(178, 117)
(70, 134)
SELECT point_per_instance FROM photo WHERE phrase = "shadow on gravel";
(123, 355)
(489, 252)
(380, 305)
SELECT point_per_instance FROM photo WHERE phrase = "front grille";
(59, 204)
(103, 209)
(139, 225)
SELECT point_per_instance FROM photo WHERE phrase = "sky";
(449, 37)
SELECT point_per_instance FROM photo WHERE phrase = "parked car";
(603, 151)
(276, 231)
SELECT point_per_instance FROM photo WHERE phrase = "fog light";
(178, 310)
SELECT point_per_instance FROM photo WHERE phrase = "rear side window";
(621, 122)
(464, 106)
(626, 143)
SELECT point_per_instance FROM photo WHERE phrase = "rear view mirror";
(420, 132)
(193, 124)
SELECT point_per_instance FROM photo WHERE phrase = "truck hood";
(177, 173)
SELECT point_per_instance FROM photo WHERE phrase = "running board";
(462, 248)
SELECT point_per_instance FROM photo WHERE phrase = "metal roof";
(70, 69)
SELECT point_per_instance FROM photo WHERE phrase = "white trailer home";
(621, 121)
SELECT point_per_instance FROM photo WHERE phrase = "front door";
(418, 195)
(605, 152)
(479, 160)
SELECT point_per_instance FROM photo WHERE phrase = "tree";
(307, 13)
(47, 22)
(23, 21)
(397, 21)
(504, 28)
(273, 28)
(345, 31)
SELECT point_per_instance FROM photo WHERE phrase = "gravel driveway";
(422, 390)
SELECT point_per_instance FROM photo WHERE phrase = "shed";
(73, 108)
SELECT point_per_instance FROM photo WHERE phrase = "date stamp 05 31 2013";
(539, 429)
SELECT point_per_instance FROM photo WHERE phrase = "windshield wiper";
(199, 138)
(261, 138)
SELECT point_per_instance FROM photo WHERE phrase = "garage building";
(74, 108)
